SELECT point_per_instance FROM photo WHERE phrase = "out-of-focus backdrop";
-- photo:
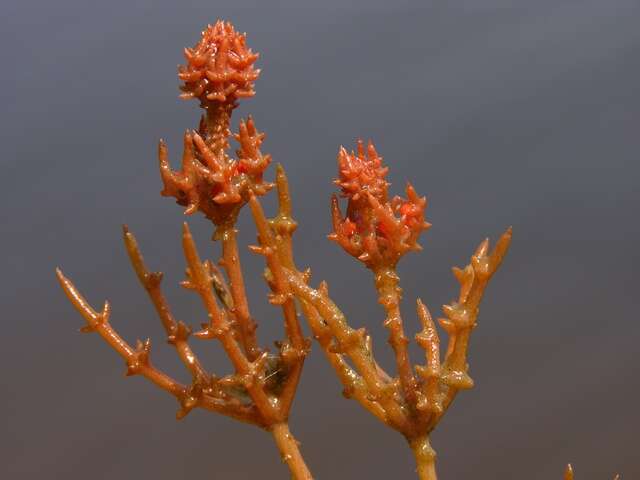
(501, 112)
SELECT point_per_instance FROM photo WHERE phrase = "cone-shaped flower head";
(219, 70)
(219, 67)
(375, 230)
(360, 172)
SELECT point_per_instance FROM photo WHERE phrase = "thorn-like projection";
(430, 396)
(189, 400)
(278, 298)
(101, 319)
(140, 358)
(179, 333)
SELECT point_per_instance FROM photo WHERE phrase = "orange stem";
(388, 289)
(231, 264)
(282, 295)
(425, 458)
(289, 451)
(220, 328)
(151, 283)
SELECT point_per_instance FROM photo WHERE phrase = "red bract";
(212, 182)
(375, 230)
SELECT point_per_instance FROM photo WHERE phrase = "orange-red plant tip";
(219, 68)
(375, 229)
(568, 472)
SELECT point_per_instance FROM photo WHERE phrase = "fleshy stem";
(219, 327)
(289, 451)
(217, 121)
(231, 263)
(177, 332)
(294, 349)
(353, 343)
(284, 225)
(462, 315)
(425, 458)
(138, 362)
(389, 292)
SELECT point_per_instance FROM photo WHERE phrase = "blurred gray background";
(501, 112)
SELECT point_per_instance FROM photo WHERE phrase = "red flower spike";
(361, 172)
(376, 231)
(219, 67)
(219, 71)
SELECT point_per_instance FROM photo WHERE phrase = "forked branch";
(378, 231)
(138, 363)
(219, 71)
(375, 229)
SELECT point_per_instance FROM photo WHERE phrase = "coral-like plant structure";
(218, 72)
(378, 231)
(375, 229)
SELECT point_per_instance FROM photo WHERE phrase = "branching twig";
(378, 232)
(231, 263)
(462, 315)
(218, 72)
(138, 362)
(375, 229)
(177, 332)
(353, 343)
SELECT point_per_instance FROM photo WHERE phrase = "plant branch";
(290, 452)
(231, 263)
(353, 343)
(219, 327)
(425, 458)
(430, 398)
(138, 362)
(177, 332)
(294, 350)
(462, 315)
(389, 295)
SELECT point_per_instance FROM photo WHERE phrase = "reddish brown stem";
(294, 352)
(231, 264)
(353, 383)
(137, 360)
(220, 328)
(425, 458)
(290, 452)
(388, 289)
(353, 344)
(428, 339)
(178, 333)
(462, 315)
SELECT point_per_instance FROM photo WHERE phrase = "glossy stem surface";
(231, 262)
(289, 452)
(389, 293)
(425, 458)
